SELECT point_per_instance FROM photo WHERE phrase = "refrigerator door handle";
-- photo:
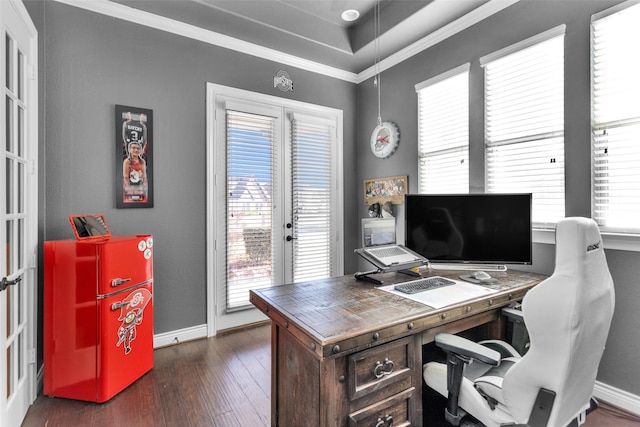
(118, 282)
(118, 305)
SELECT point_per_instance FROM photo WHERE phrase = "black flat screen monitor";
(470, 228)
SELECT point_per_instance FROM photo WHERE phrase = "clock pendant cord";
(376, 30)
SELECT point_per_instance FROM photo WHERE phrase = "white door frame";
(212, 136)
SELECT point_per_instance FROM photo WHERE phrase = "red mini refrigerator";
(98, 315)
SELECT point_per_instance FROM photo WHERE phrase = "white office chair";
(567, 316)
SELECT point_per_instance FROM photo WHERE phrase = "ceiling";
(313, 30)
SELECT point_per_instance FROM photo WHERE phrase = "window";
(443, 133)
(313, 182)
(616, 118)
(524, 123)
(250, 175)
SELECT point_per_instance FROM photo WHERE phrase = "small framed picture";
(134, 157)
(381, 190)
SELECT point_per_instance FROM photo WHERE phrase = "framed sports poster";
(134, 157)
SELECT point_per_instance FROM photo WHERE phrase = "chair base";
(462, 419)
(454, 419)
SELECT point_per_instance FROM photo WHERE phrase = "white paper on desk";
(447, 295)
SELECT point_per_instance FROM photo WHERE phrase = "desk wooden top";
(338, 315)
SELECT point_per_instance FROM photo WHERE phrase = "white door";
(18, 213)
(275, 204)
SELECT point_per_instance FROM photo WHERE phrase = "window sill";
(614, 241)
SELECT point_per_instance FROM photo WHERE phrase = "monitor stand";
(474, 267)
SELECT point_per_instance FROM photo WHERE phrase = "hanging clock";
(384, 140)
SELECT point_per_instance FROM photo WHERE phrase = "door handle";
(5, 283)
(290, 238)
(118, 282)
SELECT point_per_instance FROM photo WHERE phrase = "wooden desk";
(347, 354)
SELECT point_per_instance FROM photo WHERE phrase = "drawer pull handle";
(379, 370)
(386, 422)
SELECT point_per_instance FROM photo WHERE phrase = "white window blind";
(443, 133)
(524, 124)
(250, 180)
(313, 184)
(616, 118)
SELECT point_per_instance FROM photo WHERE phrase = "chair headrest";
(577, 238)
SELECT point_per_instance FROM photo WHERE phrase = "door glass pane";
(8, 115)
(9, 185)
(20, 132)
(21, 363)
(20, 76)
(9, 370)
(8, 61)
(9, 246)
(9, 292)
(20, 243)
(312, 185)
(20, 188)
(19, 296)
(249, 205)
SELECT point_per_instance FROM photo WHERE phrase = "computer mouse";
(481, 275)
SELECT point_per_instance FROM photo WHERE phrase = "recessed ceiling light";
(350, 15)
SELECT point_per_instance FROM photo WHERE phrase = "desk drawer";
(394, 411)
(372, 370)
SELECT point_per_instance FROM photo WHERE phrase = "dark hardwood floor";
(221, 381)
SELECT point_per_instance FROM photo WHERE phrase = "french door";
(274, 200)
(18, 209)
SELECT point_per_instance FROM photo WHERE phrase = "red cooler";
(98, 315)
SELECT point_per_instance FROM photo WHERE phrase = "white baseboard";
(617, 397)
(181, 335)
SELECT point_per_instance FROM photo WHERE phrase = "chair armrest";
(462, 346)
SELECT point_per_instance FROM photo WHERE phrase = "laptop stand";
(404, 268)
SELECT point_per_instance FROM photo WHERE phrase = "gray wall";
(89, 63)
(518, 22)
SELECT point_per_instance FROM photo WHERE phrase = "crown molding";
(460, 24)
(140, 17)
